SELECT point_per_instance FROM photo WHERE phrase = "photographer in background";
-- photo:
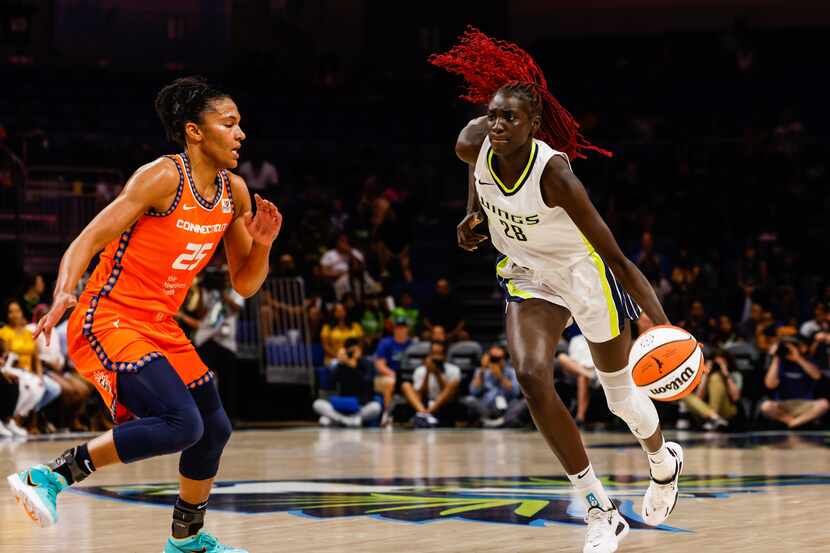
(716, 398)
(792, 379)
(353, 378)
(215, 337)
(433, 390)
(494, 391)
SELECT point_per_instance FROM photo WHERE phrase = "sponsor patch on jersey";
(227, 205)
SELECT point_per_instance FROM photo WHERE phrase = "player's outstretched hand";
(63, 301)
(265, 225)
(469, 239)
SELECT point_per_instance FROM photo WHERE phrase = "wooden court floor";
(405, 491)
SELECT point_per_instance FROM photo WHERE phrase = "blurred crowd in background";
(717, 191)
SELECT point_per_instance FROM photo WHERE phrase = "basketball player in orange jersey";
(559, 262)
(156, 236)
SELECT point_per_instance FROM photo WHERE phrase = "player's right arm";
(152, 186)
(467, 148)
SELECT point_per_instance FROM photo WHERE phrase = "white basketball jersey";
(522, 227)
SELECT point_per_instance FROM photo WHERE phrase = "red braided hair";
(489, 66)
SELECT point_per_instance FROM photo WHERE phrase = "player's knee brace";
(201, 461)
(629, 403)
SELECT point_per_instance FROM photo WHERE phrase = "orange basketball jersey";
(151, 266)
(124, 318)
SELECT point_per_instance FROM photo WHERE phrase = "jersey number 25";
(191, 258)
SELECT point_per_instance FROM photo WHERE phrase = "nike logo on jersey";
(481, 182)
(116, 323)
(188, 207)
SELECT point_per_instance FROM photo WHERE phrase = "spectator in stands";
(259, 173)
(215, 337)
(494, 391)
(752, 270)
(391, 235)
(820, 349)
(724, 335)
(193, 308)
(356, 281)
(388, 363)
(335, 332)
(335, 262)
(766, 331)
(339, 216)
(75, 404)
(33, 288)
(817, 323)
(715, 400)
(21, 343)
(406, 309)
(748, 327)
(372, 319)
(443, 309)
(433, 392)
(355, 403)
(685, 285)
(579, 364)
(286, 267)
(436, 334)
(652, 265)
(792, 378)
(9, 395)
(697, 324)
(73, 389)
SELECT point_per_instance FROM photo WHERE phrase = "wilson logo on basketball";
(676, 384)
(666, 362)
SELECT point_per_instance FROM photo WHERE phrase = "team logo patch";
(535, 501)
(227, 205)
(103, 380)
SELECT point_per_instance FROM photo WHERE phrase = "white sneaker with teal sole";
(200, 543)
(37, 489)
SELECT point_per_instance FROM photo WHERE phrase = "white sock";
(589, 489)
(662, 463)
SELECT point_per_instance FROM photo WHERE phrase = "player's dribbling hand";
(468, 239)
(62, 302)
(265, 225)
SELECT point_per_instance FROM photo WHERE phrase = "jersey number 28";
(191, 258)
(513, 232)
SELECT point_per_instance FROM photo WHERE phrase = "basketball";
(666, 363)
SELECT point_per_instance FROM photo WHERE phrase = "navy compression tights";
(172, 418)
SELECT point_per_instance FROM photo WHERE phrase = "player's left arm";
(249, 237)
(561, 187)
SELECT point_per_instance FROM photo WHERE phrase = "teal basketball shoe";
(37, 489)
(200, 543)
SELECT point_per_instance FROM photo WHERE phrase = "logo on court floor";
(523, 500)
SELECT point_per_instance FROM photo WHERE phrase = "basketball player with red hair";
(559, 262)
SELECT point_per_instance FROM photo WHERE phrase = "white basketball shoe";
(606, 529)
(661, 496)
